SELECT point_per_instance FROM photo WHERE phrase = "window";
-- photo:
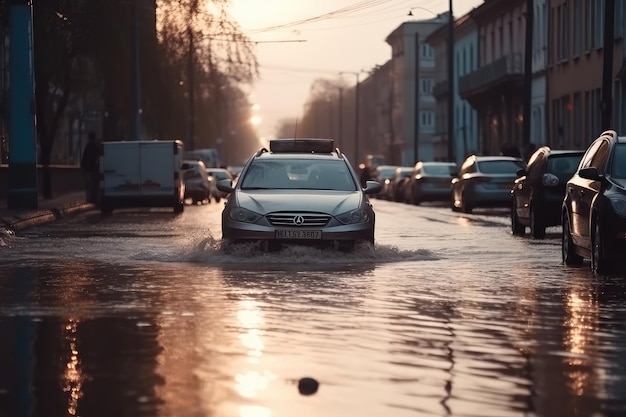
(566, 31)
(426, 86)
(427, 120)
(578, 28)
(427, 52)
(598, 24)
(619, 19)
(588, 24)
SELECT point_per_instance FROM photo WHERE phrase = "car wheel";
(465, 207)
(568, 251)
(537, 229)
(599, 261)
(516, 227)
(217, 199)
(453, 207)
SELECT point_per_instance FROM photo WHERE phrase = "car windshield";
(619, 161)
(439, 169)
(296, 174)
(563, 166)
(500, 166)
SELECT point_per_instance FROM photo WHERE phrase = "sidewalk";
(14, 220)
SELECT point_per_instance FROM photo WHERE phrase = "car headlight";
(240, 214)
(619, 206)
(353, 216)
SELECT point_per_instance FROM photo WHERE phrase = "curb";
(13, 224)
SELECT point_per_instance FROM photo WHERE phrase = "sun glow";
(256, 120)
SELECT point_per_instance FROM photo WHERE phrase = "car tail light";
(550, 180)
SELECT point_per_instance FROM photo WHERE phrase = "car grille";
(289, 219)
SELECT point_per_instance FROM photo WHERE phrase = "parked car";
(382, 173)
(393, 188)
(429, 181)
(197, 187)
(537, 196)
(484, 181)
(300, 191)
(215, 176)
(594, 207)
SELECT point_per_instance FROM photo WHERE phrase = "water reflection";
(196, 339)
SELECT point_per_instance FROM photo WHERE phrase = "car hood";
(268, 201)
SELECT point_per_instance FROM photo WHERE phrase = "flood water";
(145, 314)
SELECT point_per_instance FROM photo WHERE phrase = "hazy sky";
(339, 35)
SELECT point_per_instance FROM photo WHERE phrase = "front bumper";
(232, 230)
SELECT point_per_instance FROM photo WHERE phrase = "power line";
(357, 7)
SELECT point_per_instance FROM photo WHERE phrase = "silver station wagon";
(300, 191)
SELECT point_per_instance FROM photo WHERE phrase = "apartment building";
(495, 88)
(465, 61)
(412, 75)
(575, 71)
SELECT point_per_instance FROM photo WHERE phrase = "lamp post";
(420, 8)
(451, 157)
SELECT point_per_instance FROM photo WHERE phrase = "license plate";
(298, 234)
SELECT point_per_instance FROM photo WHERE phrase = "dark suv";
(537, 195)
(594, 208)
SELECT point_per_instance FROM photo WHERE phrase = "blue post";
(22, 190)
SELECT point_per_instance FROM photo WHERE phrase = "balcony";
(508, 69)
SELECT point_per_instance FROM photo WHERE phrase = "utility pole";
(528, 74)
(192, 115)
(450, 60)
(606, 106)
(356, 122)
(136, 82)
(22, 174)
(340, 137)
(416, 126)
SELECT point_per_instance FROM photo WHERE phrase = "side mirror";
(590, 173)
(372, 187)
(225, 186)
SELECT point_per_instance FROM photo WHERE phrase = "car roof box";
(302, 145)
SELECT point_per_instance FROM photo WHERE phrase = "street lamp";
(410, 13)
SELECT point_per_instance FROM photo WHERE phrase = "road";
(142, 313)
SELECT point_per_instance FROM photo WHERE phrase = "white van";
(142, 174)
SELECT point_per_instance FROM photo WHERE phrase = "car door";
(581, 192)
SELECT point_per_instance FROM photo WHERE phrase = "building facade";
(539, 74)
(495, 88)
(413, 73)
(575, 71)
(465, 61)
